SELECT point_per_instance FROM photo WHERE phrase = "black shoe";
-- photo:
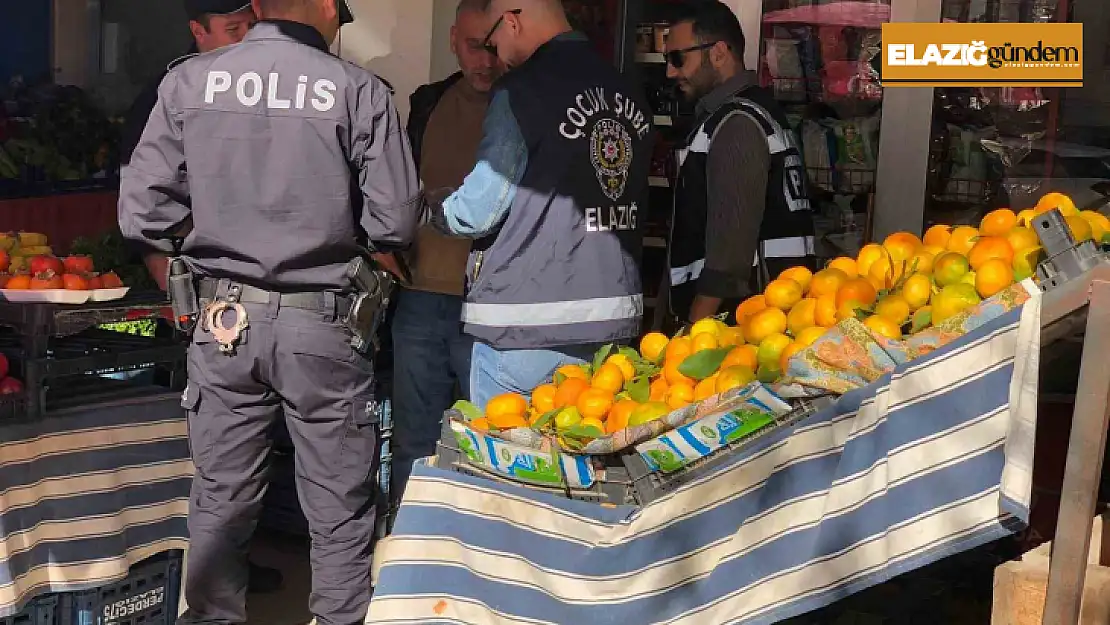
(263, 580)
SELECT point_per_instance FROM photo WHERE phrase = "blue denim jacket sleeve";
(479, 206)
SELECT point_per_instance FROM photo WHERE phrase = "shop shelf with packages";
(820, 61)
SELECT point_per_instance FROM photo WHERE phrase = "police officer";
(555, 204)
(741, 200)
(286, 160)
(213, 25)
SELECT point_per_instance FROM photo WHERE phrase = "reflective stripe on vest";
(554, 313)
(787, 247)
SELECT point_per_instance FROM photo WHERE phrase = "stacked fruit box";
(806, 335)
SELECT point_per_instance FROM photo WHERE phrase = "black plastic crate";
(40, 611)
(148, 596)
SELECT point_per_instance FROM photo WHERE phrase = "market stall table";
(86, 493)
(927, 462)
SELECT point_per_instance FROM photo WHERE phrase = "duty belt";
(318, 301)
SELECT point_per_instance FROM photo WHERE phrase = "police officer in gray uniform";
(285, 161)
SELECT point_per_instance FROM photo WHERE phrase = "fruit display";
(28, 263)
(904, 286)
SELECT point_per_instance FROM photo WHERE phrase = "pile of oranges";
(900, 286)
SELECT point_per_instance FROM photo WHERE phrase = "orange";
(749, 307)
(922, 262)
(680, 395)
(868, 254)
(883, 327)
(893, 308)
(593, 422)
(706, 388)
(645, 413)
(658, 389)
(801, 275)
(826, 281)
(594, 403)
(950, 268)
(609, 377)
(506, 411)
(730, 337)
(809, 336)
(857, 290)
(782, 293)
(1026, 261)
(709, 325)
(997, 223)
(845, 264)
(678, 349)
(1025, 217)
(848, 310)
(916, 290)
(743, 355)
(953, 299)
(543, 397)
(732, 377)
(987, 248)
(937, 235)
(569, 391)
(887, 272)
(618, 416)
(673, 376)
(481, 424)
(824, 313)
(1053, 200)
(1080, 228)
(787, 353)
(705, 341)
(962, 240)
(993, 276)
(801, 316)
(623, 363)
(763, 324)
(652, 345)
(574, 371)
(1021, 238)
(567, 418)
(1100, 224)
(901, 245)
(770, 350)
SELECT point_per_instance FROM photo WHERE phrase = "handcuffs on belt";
(227, 338)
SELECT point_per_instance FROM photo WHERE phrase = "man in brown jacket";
(431, 355)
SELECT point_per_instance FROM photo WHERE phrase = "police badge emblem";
(611, 155)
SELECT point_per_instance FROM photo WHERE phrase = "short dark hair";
(713, 21)
(205, 20)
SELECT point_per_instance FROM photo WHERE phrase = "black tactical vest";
(786, 233)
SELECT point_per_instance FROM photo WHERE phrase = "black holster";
(373, 290)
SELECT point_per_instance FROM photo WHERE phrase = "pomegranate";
(42, 264)
(78, 264)
(4, 277)
(47, 280)
(5, 260)
(19, 282)
(110, 280)
(95, 282)
(3, 365)
(75, 282)
(10, 386)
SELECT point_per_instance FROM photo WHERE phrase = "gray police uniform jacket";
(287, 159)
(563, 269)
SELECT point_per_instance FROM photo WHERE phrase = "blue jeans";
(430, 356)
(494, 371)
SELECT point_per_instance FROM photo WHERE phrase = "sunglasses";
(486, 45)
(677, 58)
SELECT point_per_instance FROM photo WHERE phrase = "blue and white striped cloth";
(930, 461)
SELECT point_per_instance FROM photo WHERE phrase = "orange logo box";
(982, 55)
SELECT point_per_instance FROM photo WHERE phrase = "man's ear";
(198, 30)
(719, 54)
(330, 9)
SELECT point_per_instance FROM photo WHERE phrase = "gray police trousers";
(298, 362)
